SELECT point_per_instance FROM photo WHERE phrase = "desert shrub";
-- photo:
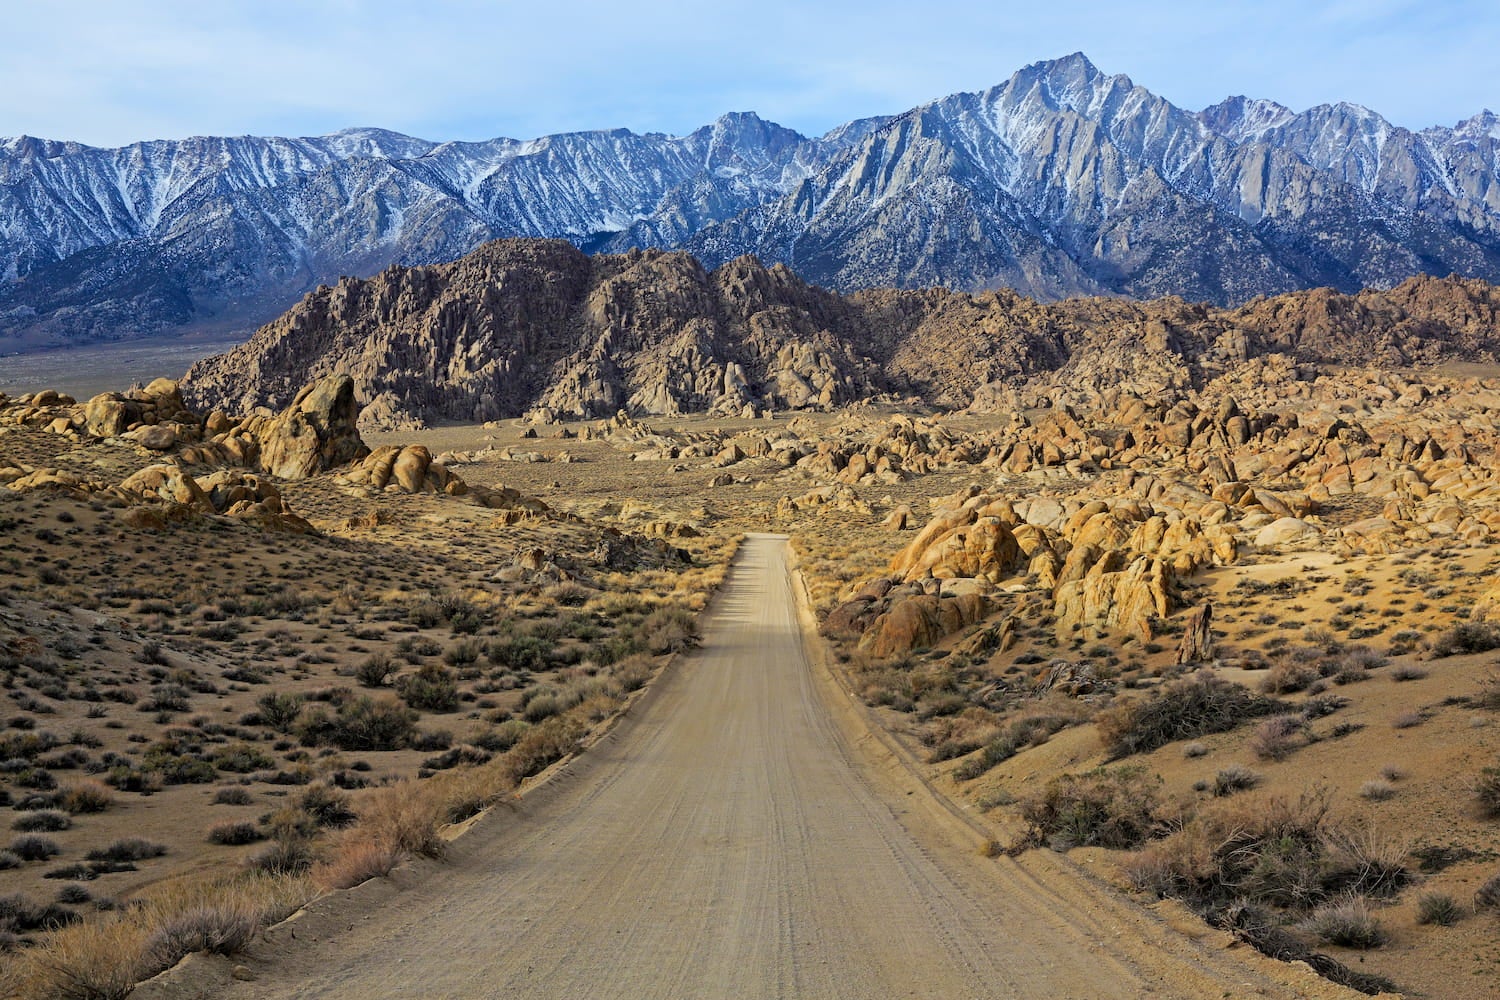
(1346, 922)
(1438, 908)
(242, 758)
(166, 698)
(34, 847)
(233, 833)
(19, 913)
(42, 821)
(373, 671)
(541, 745)
(521, 652)
(1183, 709)
(94, 960)
(132, 779)
(431, 739)
(1289, 675)
(87, 797)
(9, 860)
(1031, 729)
(1466, 637)
(1407, 720)
(632, 673)
(179, 769)
(1275, 738)
(222, 928)
(1488, 893)
(361, 724)
(432, 688)
(358, 860)
(1487, 792)
(74, 894)
(127, 849)
(1234, 778)
(279, 710)
(1106, 807)
(958, 733)
(38, 778)
(503, 736)
(283, 856)
(1273, 851)
(542, 706)
(462, 653)
(233, 796)
(403, 818)
(1320, 706)
(669, 630)
(1377, 790)
(1408, 672)
(327, 805)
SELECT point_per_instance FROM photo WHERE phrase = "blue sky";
(108, 72)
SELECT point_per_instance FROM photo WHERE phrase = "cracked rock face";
(536, 326)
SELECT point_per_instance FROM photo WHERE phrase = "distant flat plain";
(82, 372)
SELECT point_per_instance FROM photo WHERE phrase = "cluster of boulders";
(1103, 504)
(216, 464)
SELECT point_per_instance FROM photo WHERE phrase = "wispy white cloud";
(112, 71)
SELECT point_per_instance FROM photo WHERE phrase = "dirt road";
(732, 841)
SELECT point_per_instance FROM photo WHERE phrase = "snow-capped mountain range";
(1063, 180)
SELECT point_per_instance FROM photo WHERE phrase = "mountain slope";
(536, 324)
(1063, 180)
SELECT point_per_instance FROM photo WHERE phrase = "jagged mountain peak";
(1062, 180)
(1242, 119)
(1486, 124)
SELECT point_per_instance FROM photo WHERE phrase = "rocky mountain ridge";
(1061, 181)
(537, 326)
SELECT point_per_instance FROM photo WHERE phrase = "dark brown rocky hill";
(521, 325)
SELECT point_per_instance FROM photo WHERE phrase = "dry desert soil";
(454, 723)
(733, 840)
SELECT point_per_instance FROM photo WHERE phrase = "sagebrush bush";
(42, 821)
(328, 806)
(1346, 922)
(1182, 709)
(34, 847)
(357, 860)
(283, 856)
(1275, 738)
(1106, 807)
(374, 670)
(432, 688)
(128, 849)
(1487, 792)
(279, 710)
(1466, 637)
(363, 723)
(1029, 730)
(1234, 778)
(1269, 851)
(669, 630)
(1438, 908)
(405, 818)
(222, 928)
(233, 833)
(1488, 893)
(87, 797)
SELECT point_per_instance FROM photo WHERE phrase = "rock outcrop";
(535, 326)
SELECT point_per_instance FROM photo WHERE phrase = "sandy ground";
(733, 838)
